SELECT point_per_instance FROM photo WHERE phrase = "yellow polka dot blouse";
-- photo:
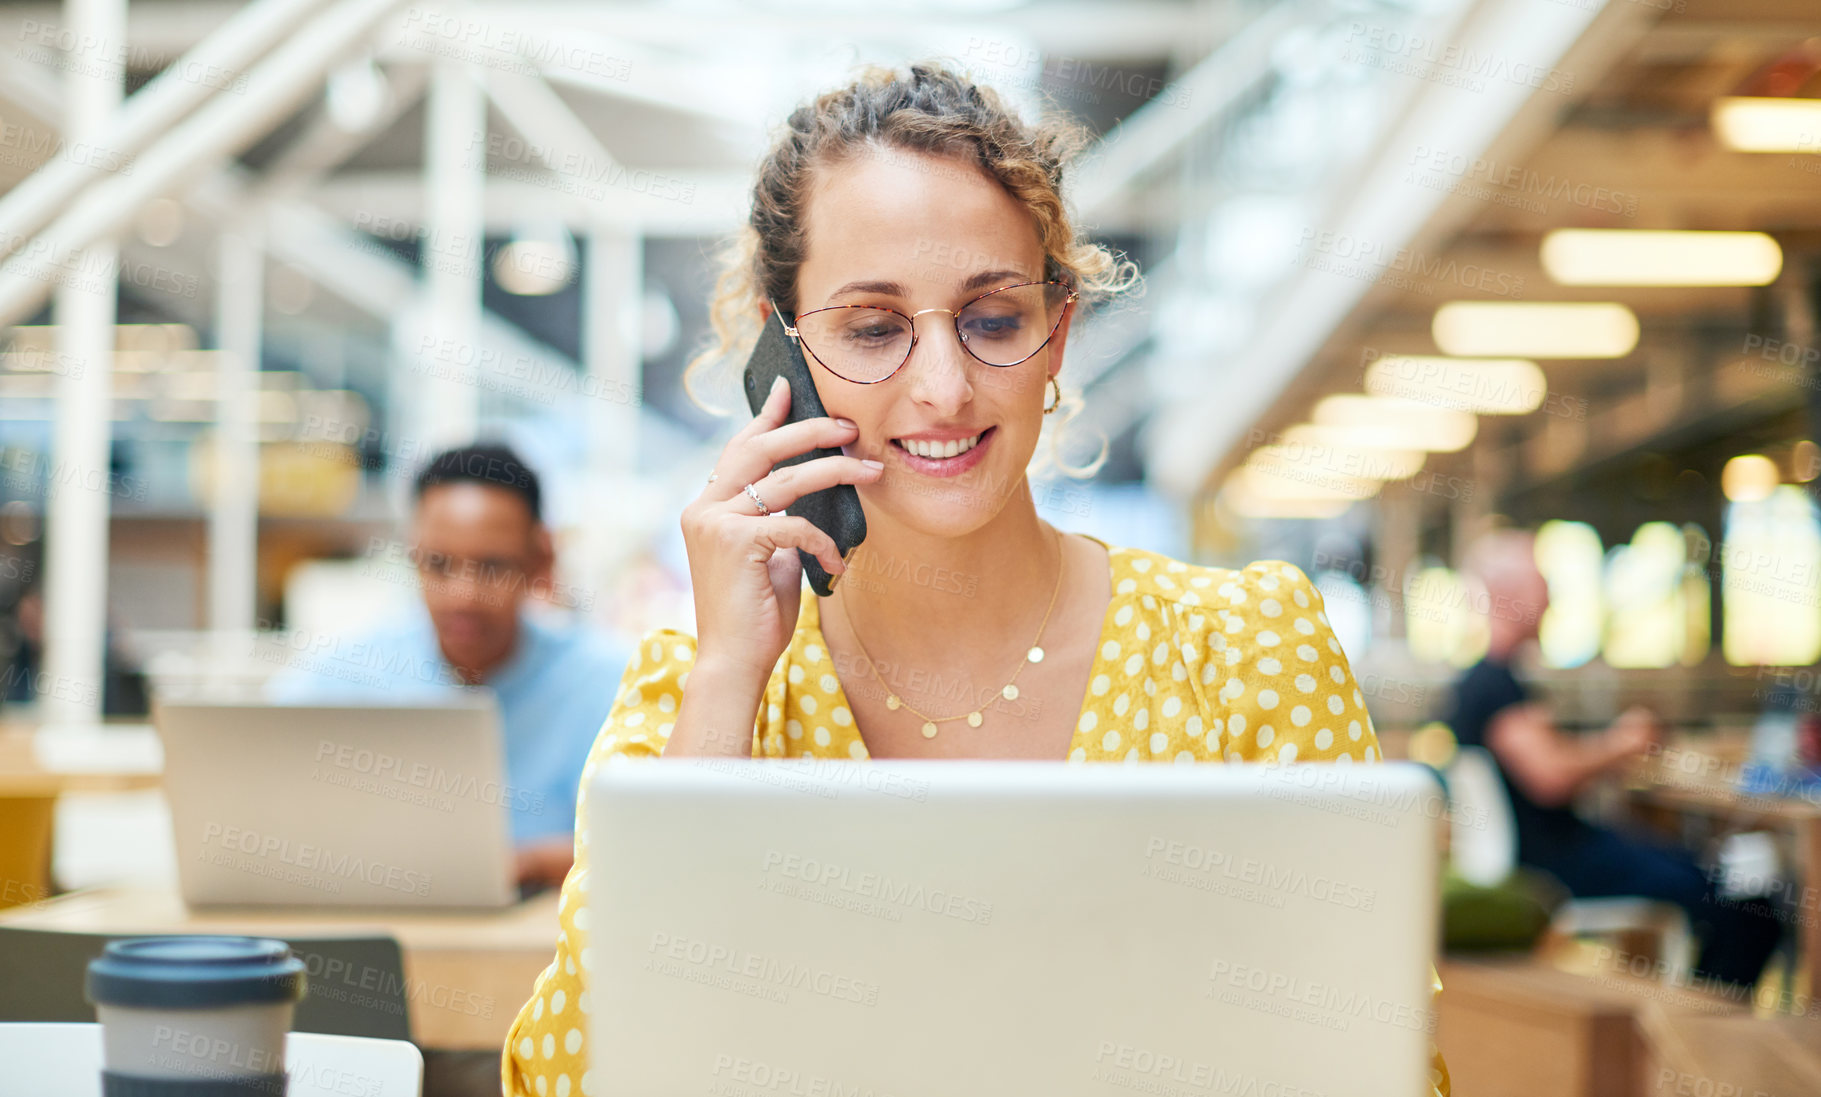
(1196, 664)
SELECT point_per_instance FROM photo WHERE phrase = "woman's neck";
(952, 597)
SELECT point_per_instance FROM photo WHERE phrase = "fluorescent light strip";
(1746, 124)
(1420, 426)
(1485, 386)
(1535, 329)
(1642, 257)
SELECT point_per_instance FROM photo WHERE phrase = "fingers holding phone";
(746, 604)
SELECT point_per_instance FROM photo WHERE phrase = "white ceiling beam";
(716, 201)
(217, 63)
(197, 145)
(566, 147)
(1160, 127)
(324, 145)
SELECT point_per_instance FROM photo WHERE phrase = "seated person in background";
(1542, 769)
(481, 549)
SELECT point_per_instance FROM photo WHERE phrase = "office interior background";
(1413, 270)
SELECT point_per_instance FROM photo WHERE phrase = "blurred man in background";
(482, 552)
(1543, 768)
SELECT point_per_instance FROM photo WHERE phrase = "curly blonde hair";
(931, 108)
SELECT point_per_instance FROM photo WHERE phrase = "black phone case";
(835, 511)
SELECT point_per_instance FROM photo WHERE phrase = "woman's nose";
(939, 366)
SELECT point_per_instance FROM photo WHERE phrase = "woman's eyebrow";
(974, 281)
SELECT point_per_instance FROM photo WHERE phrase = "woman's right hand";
(747, 582)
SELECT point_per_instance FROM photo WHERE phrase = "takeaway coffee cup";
(202, 1016)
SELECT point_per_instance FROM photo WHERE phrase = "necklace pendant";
(1010, 692)
(1035, 655)
(974, 719)
(929, 729)
(892, 702)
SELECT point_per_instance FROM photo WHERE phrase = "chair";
(64, 1060)
(1483, 845)
(356, 984)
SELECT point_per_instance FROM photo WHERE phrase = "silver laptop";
(339, 806)
(994, 928)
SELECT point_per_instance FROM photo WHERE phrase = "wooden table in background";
(1742, 1056)
(102, 759)
(1518, 1027)
(1801, 819)
(493, 958)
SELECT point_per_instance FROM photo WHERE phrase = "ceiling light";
(1371, 436)
(1294, 458)
(1487, 386)
(1421, 426)
(1767, 125)
(538, 260)
(1243, 500)
(1280, 482)
(1551, 329)
(1749, 477)
(1642, 257)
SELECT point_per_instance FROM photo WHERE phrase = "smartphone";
(835, 511)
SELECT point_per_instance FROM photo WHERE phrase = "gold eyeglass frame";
(955, 318)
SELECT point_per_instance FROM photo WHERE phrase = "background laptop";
(337, 806)
(990, 928)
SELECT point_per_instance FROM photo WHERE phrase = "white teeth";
(940, 449)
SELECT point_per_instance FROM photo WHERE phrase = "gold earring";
(1056, 403)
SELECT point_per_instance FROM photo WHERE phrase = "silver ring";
(713, 476)
(760, 503)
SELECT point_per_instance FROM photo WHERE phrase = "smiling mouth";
(940, 450)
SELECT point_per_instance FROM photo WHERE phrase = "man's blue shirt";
(554, 693)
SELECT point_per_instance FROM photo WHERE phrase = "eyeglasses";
(867, 344)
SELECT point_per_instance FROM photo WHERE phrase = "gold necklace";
(1009, 692)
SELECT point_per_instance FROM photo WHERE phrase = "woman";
(965, 627)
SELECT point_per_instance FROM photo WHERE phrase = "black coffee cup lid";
(195, 972)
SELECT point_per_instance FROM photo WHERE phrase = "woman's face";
(912, 231)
